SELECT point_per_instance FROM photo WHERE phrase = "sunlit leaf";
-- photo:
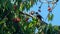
(30, 25)
(52, 16)
(49, 17)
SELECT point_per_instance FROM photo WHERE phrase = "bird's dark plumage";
(39, 16)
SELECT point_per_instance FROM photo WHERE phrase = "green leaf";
(49, 17)
(21, 6)
(3, 21)
(25, 27)
(52, 17)
(0, 5)
(30, 25)
(56, 28)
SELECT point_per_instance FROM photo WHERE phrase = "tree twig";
(27, 14)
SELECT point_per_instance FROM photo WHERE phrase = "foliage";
(14, 21)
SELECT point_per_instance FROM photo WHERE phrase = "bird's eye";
(36, 12)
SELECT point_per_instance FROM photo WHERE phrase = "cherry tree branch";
(27, 14)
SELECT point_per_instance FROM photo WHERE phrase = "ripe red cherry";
(49, 9)
(16, 19)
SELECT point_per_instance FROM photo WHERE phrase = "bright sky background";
(44, 12)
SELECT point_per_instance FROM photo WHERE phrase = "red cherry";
(49, 9)
(16, 19)
(27, 19)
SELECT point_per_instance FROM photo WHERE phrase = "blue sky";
(44, 12)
